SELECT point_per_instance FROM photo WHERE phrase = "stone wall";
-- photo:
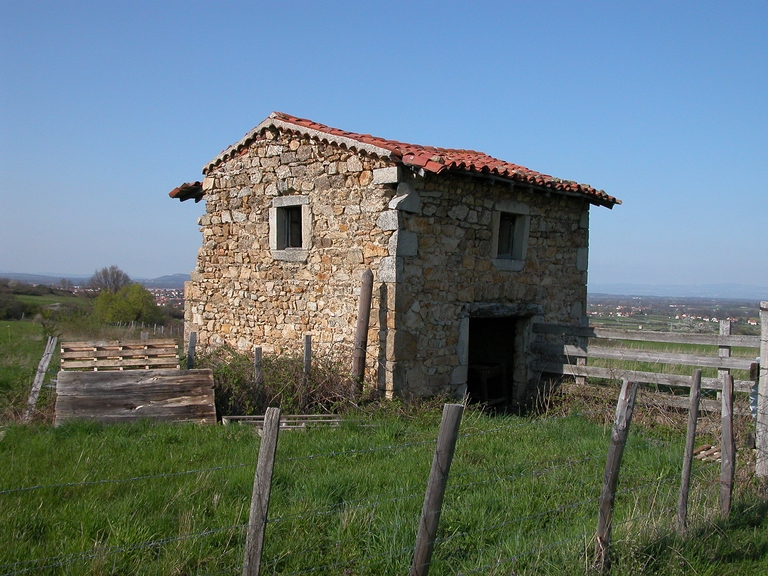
(428, 239)
(240, 295)
(453, 276)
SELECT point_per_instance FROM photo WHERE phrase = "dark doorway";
(491, 360)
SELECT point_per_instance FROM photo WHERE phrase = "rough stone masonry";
(297, 211)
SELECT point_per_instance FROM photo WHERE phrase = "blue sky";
(107, 106)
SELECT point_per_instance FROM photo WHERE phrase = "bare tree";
(110, 279)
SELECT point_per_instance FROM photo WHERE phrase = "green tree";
(132, 303)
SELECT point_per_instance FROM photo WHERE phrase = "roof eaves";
(555, 185)
(188, 190)
(275, 120)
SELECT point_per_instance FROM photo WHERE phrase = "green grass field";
(22, 344)
(522, 499)
(522, 496)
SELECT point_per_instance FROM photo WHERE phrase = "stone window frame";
(522, 214)
(290, 254)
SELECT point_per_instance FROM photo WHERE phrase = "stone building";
(467, 251)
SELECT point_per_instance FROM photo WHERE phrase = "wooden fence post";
(761, 432)
(619, 433)
(690, 439)
(307, 369)
(361, 332)
(724, 351)
(42, 367)
(191, 350)
(262, 484)
(258, 373)
(727, 449)
(433, 499)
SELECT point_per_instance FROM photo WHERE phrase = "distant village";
(683, 314)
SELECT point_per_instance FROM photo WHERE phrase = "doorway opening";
(491, 360)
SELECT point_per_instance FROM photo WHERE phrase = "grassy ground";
(521, 499)
(22, 344)
(522, 496)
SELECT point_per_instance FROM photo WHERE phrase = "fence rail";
(558, 358)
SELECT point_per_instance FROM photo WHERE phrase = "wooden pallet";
(120, 355)
(122, 396)
(287, 421)
(119, 381)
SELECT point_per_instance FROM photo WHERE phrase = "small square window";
(289, 227)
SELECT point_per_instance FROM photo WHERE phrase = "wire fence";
(510, 506)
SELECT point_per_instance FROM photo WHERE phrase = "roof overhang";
(274, 120)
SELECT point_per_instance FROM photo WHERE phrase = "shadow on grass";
(736, 545)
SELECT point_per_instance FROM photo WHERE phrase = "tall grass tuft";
(328, 388)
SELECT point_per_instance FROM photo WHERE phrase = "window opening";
(289, 227)
(506, 245)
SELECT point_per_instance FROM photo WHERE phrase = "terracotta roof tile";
(188, 190)
(428, 158)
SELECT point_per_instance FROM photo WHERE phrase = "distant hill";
(722, 291)
(169, 281)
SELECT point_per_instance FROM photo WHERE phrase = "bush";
(11, 308)
(132, 303)
(329, 387)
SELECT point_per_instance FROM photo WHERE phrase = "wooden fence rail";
(560, 358)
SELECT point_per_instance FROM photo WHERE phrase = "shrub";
(132, 303)
(11, 308)
(328, 389)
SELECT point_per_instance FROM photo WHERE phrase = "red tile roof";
(188, 190)
(428, 158)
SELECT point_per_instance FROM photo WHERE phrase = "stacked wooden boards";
(120, 381)
(120, 355)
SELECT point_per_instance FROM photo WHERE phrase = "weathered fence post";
(724, 351)
(262, 483)
(761, 432)
(727, 449)
(619, 434)
(307, 368)
(433, 499)
(191, 350)
(258, 373)
(690, 439)
(361, 333)
(34, 393)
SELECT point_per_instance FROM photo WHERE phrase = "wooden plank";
(648, 336)
(619, 433)
(635, 376)
(690, 439)
(262, 486)
(438, 478)
(119, 396)
(37, 383)
(293, 422)
(155, 342)
(113, 353)
(117, 363)
(631, 354)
